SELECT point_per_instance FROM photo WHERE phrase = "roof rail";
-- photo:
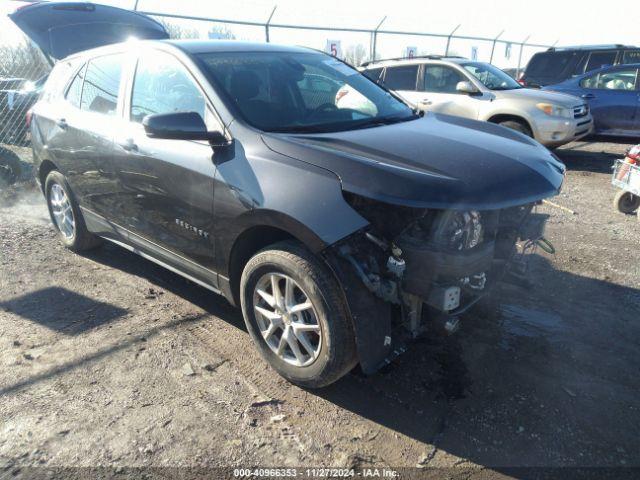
(591, 47)
(430, 57)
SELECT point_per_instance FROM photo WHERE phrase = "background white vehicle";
(480, 91)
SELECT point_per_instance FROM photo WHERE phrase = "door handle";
(62, 123)
(588, 96)
(129, 145)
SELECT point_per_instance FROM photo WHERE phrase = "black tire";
(81, 239)
(10, 167)
(337, 350)
(626, 202)
(518, 127)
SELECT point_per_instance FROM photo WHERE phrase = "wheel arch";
(257, 237)
(45, 168)
(504, 117)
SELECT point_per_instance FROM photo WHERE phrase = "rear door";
(80, 132)
(614, 101)
(403, 79)
(165, 191)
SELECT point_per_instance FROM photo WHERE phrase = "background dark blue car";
(614, 96)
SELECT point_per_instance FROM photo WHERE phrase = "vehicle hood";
(61, 29)
(539, 96)
(438, 161)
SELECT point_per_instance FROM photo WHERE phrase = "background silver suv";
(477, 90)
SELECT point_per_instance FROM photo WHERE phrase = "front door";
(439, 89)
(166, 186)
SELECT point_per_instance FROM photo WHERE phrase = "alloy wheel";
(287, 319)
(62, 211)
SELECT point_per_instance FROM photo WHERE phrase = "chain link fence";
(23, 70)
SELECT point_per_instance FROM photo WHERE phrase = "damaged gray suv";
(340, 232)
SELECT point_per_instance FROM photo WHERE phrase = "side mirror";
(181, 126)
(466, 87)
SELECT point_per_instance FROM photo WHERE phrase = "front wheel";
(518, 127)
(296, 316)
(66, 215)
(626, 202)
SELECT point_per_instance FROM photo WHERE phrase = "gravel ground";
(109, 360)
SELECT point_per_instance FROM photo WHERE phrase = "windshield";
(301, 92)
(491, 77)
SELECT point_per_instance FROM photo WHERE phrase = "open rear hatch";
(64, 28)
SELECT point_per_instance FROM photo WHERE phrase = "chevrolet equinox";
(340, 232)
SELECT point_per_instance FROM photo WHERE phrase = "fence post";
(493, 47)
(520, 56)
(375, 39)
(446, 51)
(266, 25)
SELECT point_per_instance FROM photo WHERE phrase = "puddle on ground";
(519, 322)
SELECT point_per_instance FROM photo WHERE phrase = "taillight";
(633, 155)
(28, 117)
(522, 82)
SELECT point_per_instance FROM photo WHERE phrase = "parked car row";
(600, 89)
(17, 96)
(480, 91)
(556, 65)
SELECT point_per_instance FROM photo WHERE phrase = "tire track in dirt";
(320, 414)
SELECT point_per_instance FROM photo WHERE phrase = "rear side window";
(549, 64)
(74, 93)
(600, 59)
(163, 85)
(101, 84)
(401, 78)
(631, 56)
(373, 73)
(57, 80)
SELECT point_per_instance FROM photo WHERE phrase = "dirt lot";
(109, 360)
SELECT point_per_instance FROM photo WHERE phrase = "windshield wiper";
(343, 126)
(375, 122)
(301, 129)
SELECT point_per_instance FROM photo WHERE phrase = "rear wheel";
(296, 316)
(10, 167)
(66, 215)
(518, 127)
(626, 202)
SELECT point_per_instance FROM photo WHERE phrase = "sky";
(565, 22)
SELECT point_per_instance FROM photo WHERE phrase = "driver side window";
(441, 79)
(163, 85)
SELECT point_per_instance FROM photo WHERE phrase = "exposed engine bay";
(433, 265)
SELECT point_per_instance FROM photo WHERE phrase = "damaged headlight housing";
(459, 230)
